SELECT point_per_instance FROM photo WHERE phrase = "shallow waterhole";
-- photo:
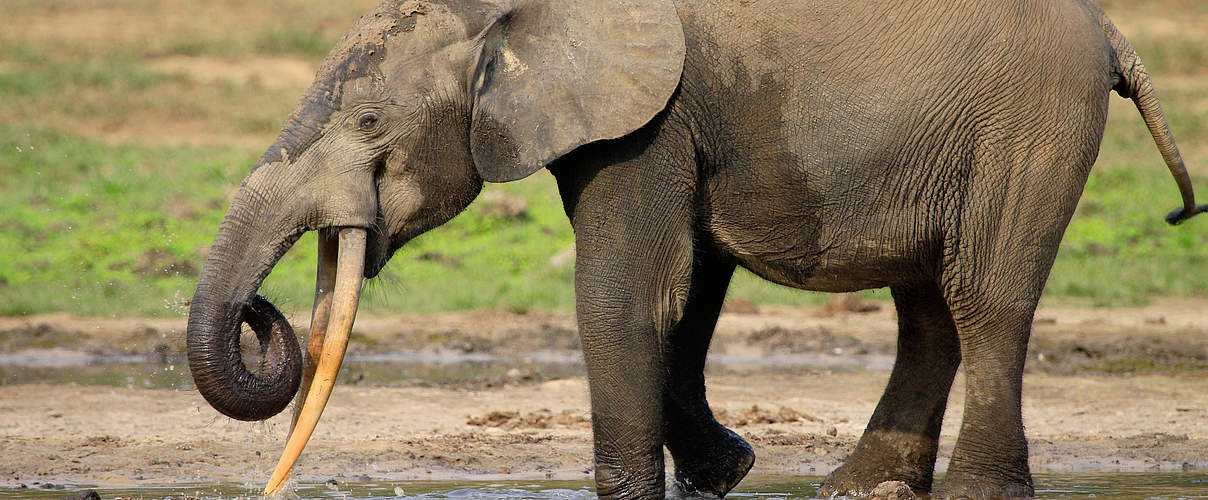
(1111, 486)
(153, 371)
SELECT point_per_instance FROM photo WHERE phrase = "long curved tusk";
(320, 314)
(349, 269)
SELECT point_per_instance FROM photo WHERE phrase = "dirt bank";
(1106, 390)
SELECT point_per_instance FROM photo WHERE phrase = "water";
(170, 371)
(153, 371)
(1114, 486)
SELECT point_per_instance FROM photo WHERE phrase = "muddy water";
(151, 372)
(155, 371)
(1098, 486)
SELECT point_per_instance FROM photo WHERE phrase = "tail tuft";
(1180, 214)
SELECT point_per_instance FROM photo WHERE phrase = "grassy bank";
(119, 150)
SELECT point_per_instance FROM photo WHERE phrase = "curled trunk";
(240, 258)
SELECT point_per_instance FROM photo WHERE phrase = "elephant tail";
(1132, 82)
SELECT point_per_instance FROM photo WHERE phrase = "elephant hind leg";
(990, 459)
(709, 458)
(902, 437)
(999, 247)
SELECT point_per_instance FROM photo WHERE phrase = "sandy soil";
(1106, 390)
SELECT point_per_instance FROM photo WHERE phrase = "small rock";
(85, 495)
(893, 490)
(832, 431)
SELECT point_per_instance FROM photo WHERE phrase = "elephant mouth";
(341, 266)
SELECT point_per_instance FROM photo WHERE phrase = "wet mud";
(487, 395)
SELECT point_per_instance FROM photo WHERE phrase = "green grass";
(94, 229)
(103, 213)
(98, 230)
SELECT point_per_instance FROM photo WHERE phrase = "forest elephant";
(935, 147)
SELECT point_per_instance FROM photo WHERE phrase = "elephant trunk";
(242, 255)
(278, 201)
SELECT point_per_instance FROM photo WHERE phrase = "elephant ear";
(552, 75)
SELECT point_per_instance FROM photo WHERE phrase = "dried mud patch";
(756, 415)
(774, 437)
(540, 419)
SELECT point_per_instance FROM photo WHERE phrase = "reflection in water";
(1161, 485)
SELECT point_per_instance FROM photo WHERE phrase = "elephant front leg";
(709, 458)
(627, 303)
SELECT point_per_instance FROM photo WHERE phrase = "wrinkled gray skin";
(934, 147)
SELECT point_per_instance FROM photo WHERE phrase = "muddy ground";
(1106, 390)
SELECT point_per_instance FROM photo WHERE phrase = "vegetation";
(119, 151)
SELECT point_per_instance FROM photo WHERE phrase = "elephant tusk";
(320, 315)
(325, 280)
(349, 269)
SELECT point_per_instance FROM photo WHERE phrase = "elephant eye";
(367, 122)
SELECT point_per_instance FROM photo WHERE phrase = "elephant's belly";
(834, 273)
(811, 258)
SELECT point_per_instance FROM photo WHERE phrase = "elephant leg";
(633, 278)
(992, 284)
(902, 437)
(990, 459)
(622, 348)
(709, 458)
(621, 337)
(993, 269)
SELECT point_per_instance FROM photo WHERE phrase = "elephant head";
(411, 111)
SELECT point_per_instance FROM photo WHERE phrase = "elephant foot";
(880, 457)
(966, 485)
(613, 483)
(713, 471)
(855, 481)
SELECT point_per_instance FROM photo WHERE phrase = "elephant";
(934, 147)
